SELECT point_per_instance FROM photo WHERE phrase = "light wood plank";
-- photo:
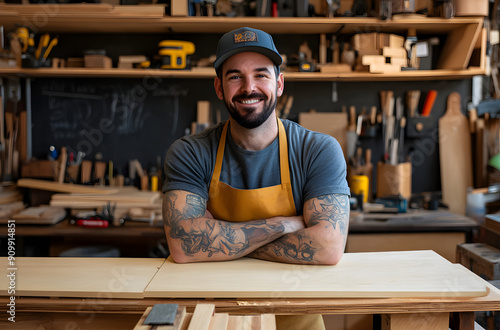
(219, 321)
(102, 278)
(63, 187)
(201, 317)
(392, 274)
(140, 324)
(268, 322)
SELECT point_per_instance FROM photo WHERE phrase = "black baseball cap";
(246, 39)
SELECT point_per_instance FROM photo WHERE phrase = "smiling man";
(256, 185)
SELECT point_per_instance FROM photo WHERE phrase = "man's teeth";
(250, 101)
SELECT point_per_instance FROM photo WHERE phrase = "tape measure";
(174, 54)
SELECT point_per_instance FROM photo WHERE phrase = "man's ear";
(280, 84)
(218, 88)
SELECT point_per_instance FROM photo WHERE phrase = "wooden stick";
(63, 157)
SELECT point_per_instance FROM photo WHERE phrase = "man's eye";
(233, 77)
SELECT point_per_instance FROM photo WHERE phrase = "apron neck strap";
(283, 149)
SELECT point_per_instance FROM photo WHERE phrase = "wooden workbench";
(440, 231)
(416, 288)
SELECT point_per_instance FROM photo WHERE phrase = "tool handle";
(429, 102)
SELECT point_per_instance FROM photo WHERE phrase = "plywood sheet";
(358, 275)
(80, 277)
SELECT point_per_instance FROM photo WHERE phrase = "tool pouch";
(420, 126)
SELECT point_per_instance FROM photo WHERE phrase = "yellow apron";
(231, 204)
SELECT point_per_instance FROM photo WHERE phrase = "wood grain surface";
(358, 275)
(80, 277)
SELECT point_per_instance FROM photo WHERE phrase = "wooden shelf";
(209, 74)
(105, 18)
(461, 35)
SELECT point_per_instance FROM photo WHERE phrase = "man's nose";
(248, 85)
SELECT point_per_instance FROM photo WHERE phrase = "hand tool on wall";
(455, 155)
(412, 99)
(352, 137)
(42, 46)
(429, 102)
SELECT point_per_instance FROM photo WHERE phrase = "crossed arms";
(317, 237)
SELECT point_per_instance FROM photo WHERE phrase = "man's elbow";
(333, 257)
(180, 258)
(333, 253)
(177, 253)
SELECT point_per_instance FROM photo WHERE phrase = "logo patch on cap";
(245, 36)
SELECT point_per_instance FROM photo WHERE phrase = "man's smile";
(250, 101)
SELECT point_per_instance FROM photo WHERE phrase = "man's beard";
(251, 120)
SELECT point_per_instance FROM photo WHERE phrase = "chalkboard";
(122, 119)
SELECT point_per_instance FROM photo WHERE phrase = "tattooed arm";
(194, 235)
(322, 242)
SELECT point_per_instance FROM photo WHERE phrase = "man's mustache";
(249, 96)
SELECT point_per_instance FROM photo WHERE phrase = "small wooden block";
(390, 40)
(203, 112)
(402, 62)
(384, 68)
(179, 8)
(394, 52)
(97, 61)
(335, 68)
(125, 65)
(372, 59)
(201, 317)
(131, 59)
(365, 41)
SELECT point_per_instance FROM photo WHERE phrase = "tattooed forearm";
(334, 209)
(293, 251)
(200, 234)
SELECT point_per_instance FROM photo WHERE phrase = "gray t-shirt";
(317, 165)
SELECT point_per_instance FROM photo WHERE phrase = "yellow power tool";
(175, 53)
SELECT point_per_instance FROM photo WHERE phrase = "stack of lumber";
(204, 317)
(40, 215)
(101, 10)
(380, 52)
(11, 201)
(127, 197)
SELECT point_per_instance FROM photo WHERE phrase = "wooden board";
(458, 47)
(455, 156)
(102, 278)
(331, 123)
(39, 215)
(358, 275)
(63, 187)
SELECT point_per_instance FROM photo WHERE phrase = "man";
(255, 185)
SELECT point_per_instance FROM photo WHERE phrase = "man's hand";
(194, 235)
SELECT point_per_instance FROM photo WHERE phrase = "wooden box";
(480, 258)
(97, 61)
(393, 180)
